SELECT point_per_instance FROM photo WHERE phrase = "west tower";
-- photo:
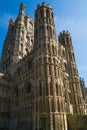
(49, 112)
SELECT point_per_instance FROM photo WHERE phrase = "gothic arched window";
(58, 104)
(28, 88)
(53, 49)
(56, 89)
(40, 89)
(41, 14)
(29, 65)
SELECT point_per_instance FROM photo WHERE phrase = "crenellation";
(48, 6)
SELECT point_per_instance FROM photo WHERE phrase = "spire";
(21, 15)
(22, 9)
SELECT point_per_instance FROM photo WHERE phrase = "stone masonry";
(40, 73)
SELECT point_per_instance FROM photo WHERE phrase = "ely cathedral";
(39, 80)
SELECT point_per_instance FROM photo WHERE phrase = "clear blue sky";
(69, 15)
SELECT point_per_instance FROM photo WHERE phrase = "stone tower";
(74, 89)
(19, 39)
(24, 34)
(49, 113)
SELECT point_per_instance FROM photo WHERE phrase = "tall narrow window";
(40, 89)
(56, 90)
(40, 106)
(52, 106)
(54, 71)
(36, 106)
(58, 103)
(49, 70)
(28, 88)
(51, 32)
(45, 72)
(18, 71)
(53, 49)
(70, 98)
(40, 71)
(47, 30)
(29, 65)
(16, 91)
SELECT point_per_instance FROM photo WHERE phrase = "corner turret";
(22, 9)
(21, 15)
(65, 38)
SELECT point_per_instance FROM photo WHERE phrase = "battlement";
(44, 5)
(65, 33)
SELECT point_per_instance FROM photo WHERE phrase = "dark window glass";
(29, 88)
(29, 65)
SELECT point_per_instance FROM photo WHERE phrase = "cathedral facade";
(39, 79)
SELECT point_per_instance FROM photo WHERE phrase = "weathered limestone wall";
(77, 122)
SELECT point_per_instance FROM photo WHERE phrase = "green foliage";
(69, 114)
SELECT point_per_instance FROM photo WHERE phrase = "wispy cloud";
(4, 20)
(78, 27)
